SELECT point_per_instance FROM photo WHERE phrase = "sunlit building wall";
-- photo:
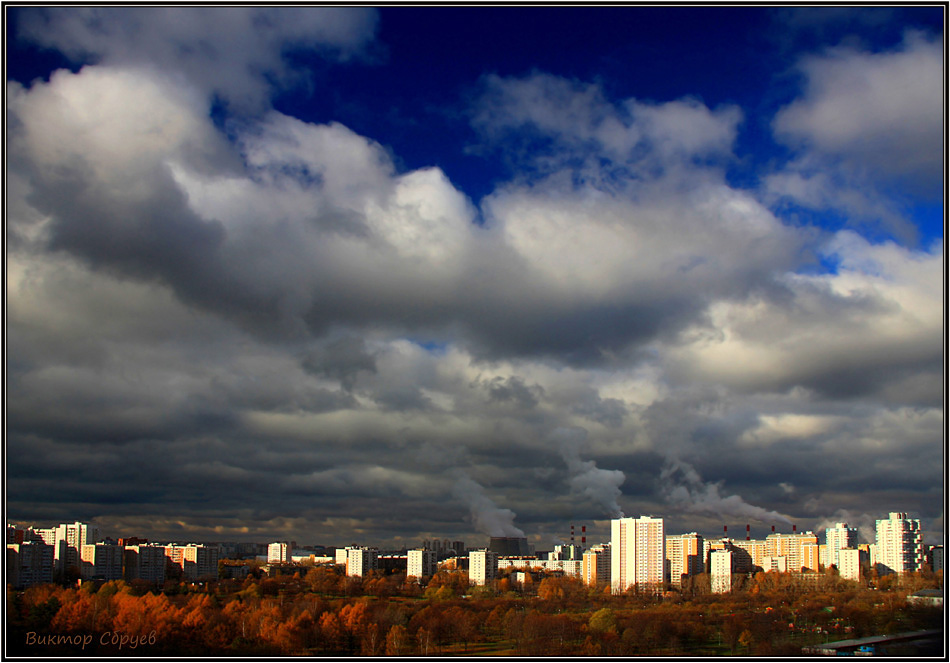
(482, 566)
(836, 538)
(899, 545)
(638, 553)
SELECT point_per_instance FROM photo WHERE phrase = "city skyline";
(402, 273)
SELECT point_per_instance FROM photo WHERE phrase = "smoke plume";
(601, 486)
(486, 515)
(683, 487)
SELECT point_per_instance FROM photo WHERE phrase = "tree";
(602, 621)
(397, 641)
(332, 631)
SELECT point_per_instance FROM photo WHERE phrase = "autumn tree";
(397, 641)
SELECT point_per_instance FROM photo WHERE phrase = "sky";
(359, 275)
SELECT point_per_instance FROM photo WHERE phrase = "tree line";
(320, 611)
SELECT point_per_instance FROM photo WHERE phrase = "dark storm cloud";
(618, 328)
(342, 359)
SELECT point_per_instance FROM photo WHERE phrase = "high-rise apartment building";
(684, 556)
(278, 553)
(144, 562)
(836, 538)
(638, 553)
(899, 546)
(750, 554)
(29, 563)
(936, 558)
(800, 549)
(102, 561)
(360, 561)
(421, 563)
(67, 541)
(195, 560)
(720, 571)
(595, 565)
(849, 563)
(482, 566)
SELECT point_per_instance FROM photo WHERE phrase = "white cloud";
(234, 52)
(776, 428)
(839, 333)
(583, 125)
(881, 112)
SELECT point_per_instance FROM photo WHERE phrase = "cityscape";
(475, 330)
(639, 554)
(67, 584)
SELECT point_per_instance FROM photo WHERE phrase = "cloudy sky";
(352, 275)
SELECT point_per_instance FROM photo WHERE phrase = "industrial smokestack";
(793, 529)
(584, 536)
(773, 529)
(725, 531)
(748, 536)
(572, 534)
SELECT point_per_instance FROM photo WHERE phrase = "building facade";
(837, 538)
(638, 554)
(29, 563)
(196, 561)
(899, 545)
(595, 565)
(482, 566)
(421, 563)
(102, 561)
(720, 571)
(800, 548)
(684, 557)
(849, 563)
(360, 561)
(144, 562)
(278, 553)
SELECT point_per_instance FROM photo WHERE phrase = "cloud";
(873, 324)
(547, 123)
(196, 306)
(879, 114)
(236, 53)
(487, 517)
(684, 488)
(776, 428)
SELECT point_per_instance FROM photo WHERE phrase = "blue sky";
(498, 268)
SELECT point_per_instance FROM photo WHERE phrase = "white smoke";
(866, 524)
(601, 486)
(683, 487)
(486, 515)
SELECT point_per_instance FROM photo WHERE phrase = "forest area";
(319, 611)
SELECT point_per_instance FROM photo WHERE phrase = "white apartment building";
(638, 553)
(849, 563)
(421, 563)
(360, 561)
(102, 561)
(720, 571)
(899, 545)
(278, 553)
(67, 540)
(340, 556)
(482, 567)
(836, 538)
